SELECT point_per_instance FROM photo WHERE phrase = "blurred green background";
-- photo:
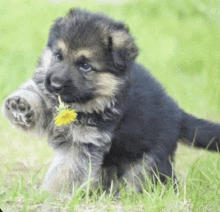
(179, 42)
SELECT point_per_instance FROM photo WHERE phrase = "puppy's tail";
(200, 133)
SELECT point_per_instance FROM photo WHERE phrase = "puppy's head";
(87, 57)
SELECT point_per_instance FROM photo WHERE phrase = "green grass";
(179, 42)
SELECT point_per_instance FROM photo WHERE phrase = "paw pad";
(20, 111)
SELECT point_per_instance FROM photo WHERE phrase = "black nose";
(54, 84)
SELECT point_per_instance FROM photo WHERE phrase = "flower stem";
(61, 104)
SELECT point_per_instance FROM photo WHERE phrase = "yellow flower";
(65, 116)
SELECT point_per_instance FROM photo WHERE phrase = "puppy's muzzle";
(55, 84)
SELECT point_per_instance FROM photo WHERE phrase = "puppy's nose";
(54, 84)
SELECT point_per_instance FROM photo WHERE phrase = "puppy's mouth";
(69, 93)
(76, 98)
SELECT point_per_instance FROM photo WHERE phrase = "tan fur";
(87, 134)
(133, 177)
(83, 52)
(61, 45)
(107, 84)
(97, 104)
(134, 173)
(57, 176)
(73, 166)
(120, 38)
(60, 173)
(88, 54)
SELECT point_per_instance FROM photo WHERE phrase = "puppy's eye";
(85, 66)
(58, 57)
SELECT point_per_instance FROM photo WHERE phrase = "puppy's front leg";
(73, 166)
(26, 109)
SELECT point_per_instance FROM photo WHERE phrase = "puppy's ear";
(73, 12)
(123, 48)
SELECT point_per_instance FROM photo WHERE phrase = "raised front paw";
(20, 112)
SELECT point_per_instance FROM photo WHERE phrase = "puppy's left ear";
(122, 47)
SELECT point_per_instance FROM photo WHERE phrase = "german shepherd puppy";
(126, 125)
